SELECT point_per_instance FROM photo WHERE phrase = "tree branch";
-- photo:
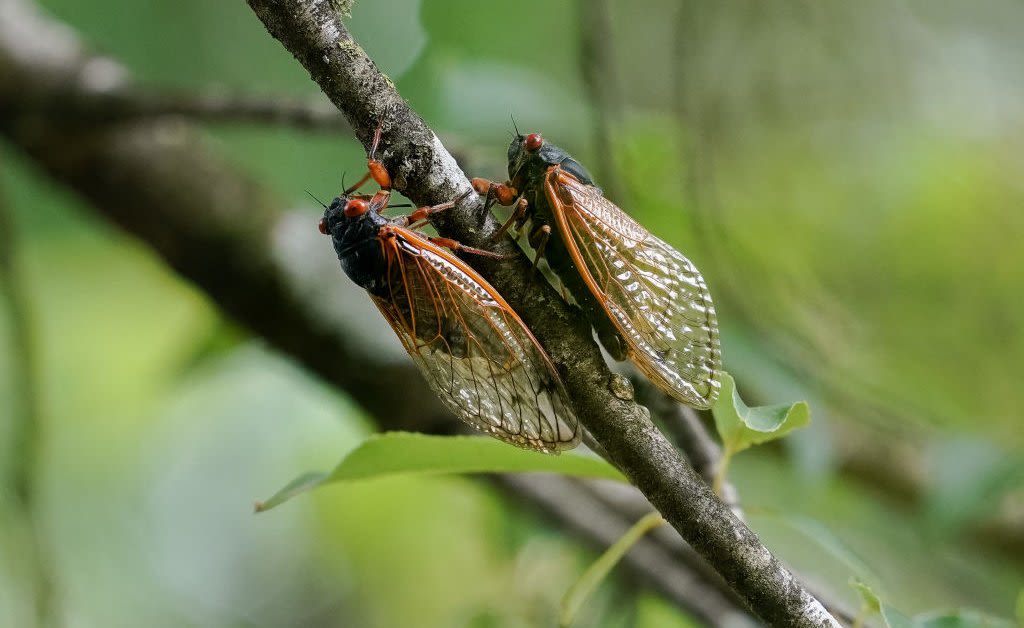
(689, 434)
(424, 171)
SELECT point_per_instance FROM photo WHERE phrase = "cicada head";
(529, 157)
(353, 226)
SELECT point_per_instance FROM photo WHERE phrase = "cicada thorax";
(355, 242)
(527, 172)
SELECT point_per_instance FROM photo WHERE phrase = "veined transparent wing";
(473, 349)
(655, 297)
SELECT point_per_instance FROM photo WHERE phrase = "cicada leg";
(455, 245)
(502, 193)
(518, 218)
(539, 241)
(380, 200)
(375, 169)
(418, 218)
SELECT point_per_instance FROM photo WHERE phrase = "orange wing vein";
(654, 295)
(472, 348)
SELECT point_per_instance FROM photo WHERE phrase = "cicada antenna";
(313, 196)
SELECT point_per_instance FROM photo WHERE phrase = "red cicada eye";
(533, 142)
(322, 225)
(356, 207)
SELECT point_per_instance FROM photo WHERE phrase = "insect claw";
(379, 201)
(517, 218)
(542, 239)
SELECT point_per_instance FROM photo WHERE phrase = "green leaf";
(741, 426)
(396, 453)
(958, 618)
(599, 570)
(817, 533)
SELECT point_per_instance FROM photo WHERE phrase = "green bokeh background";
(847, 176)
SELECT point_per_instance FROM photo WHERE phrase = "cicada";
(472, 348)
(645, 300)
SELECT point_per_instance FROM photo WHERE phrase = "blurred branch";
(597, 65)
(213, 225)
(27, 426)
(126, 103)
(578, 506)
(157, 180)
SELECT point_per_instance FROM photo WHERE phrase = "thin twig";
(424, 171)
(577, 505)
(27, 428)
(600, 78)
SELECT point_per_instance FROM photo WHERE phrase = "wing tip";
(691, 394)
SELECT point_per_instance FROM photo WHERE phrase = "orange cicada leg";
(518, 218)
(418, 218)
(539, 242)
(455, 245)
(493, 192)
(375, 169)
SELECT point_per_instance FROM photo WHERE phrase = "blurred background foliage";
(846, 175)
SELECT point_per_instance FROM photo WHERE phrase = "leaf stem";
(27, 434)
(600, 568)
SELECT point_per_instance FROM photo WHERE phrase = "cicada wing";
(654, 295)
(472, 348)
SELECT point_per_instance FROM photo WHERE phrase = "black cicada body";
(472, 348)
